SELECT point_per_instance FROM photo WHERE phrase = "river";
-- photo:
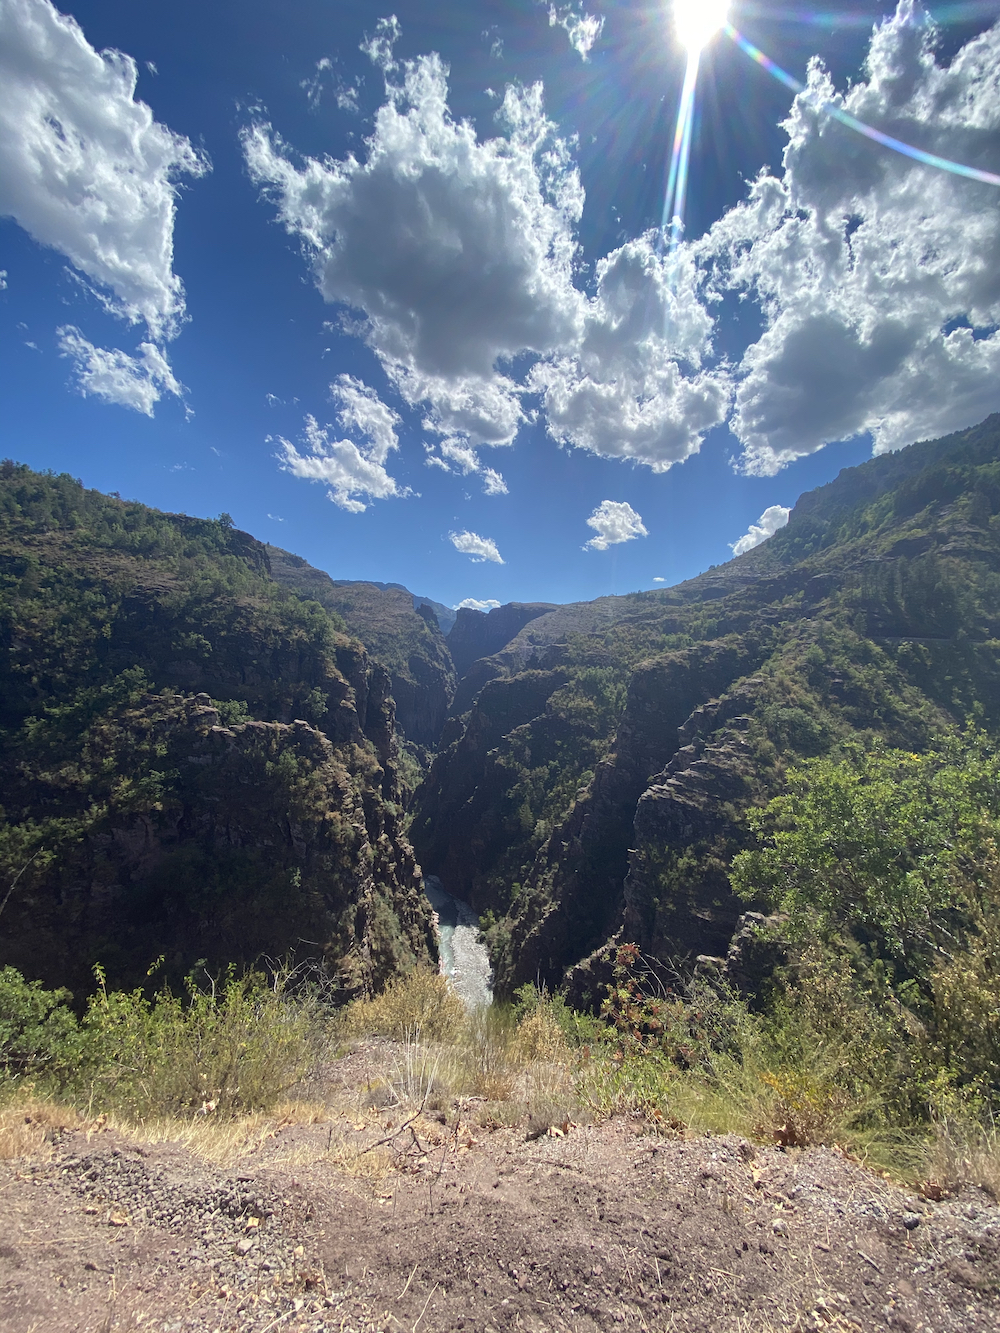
(464, 960)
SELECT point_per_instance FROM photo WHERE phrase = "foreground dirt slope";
(453, 1226)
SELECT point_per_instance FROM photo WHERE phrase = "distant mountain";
(445, 614)
(597, 780)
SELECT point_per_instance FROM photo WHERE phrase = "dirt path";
(455, 1227)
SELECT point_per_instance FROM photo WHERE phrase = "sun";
(697, 21)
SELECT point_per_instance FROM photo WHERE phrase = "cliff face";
(618, 805)
(406, 640)
(195, 762)
(477, 634)
(260, 839)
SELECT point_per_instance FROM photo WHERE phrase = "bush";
(236, 1047)
(39, 1036)
(419, 1004)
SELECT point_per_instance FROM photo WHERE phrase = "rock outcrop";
(477, 634)
(259, 839)
(196, 762)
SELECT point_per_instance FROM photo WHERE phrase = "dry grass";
(420, 1004)
(963, 1154)
(221, 1141)
(30, 1125)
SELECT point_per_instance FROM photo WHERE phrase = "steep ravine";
(594, 772)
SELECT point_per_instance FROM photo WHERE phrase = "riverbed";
(464, 960)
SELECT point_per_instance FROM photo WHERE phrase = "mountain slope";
(407, 640)
(195, 762)
(598, 779)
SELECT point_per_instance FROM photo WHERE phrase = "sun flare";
(697, 21)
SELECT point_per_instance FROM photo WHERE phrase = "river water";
(464, 960)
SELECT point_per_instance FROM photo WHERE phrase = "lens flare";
(697, 21)
(852, 122)
(680, 155)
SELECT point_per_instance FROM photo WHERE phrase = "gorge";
(214, 752)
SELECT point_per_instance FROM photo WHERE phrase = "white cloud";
(493, 482)
(344, 94)
(348, 469)
(614, 522)
(378, 48)
(773, 518)
(84, 167)
(658, 579)
(3, 279)
(878, 278)
(480, 548)
(135, 382)
(474, 604)
(458, 455)
(624, 392)
(458, 253)
(582, 29)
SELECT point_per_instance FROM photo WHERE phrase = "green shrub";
(235, 1047)
(40, 1038)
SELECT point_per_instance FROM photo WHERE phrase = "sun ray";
(673, 204)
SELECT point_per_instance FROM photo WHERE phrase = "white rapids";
(464, 960)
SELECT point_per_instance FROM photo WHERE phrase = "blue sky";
(385, 282)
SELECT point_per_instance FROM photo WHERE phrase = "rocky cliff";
(660, 716)
(407, 640)
(477, 634)
(217, 845)
(194, 761)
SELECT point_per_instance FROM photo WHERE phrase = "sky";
(395, 285)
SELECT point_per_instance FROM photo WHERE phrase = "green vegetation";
(159, 793)
(231, 1048)
(875, 615)
(91, 586)
(879, 1029)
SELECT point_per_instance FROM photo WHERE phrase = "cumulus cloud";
(474, 604)
(84, 167)
(878, 278)
(624, 392)
(115, 377)
(582, 29)
(479, 548)
(773, 518)
(614, 522)
(458, 253)
(348, 469)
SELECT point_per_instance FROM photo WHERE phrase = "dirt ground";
(452, 1225)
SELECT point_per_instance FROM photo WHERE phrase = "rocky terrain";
(196, 764)
(347, 1217)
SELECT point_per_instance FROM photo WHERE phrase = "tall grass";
(232, 1047)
